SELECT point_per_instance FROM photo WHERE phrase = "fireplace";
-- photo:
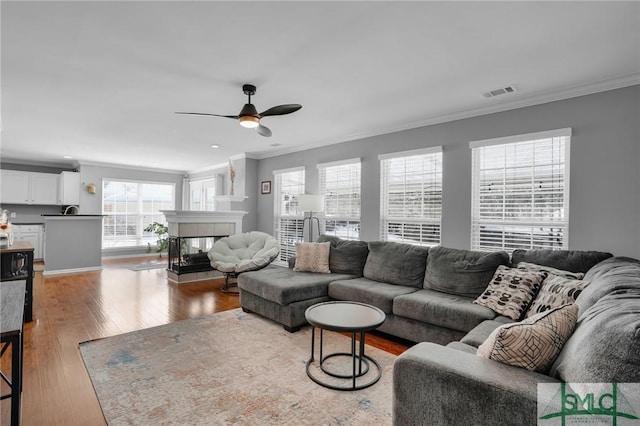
(191, 236)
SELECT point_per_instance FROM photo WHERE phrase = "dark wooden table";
(21, 252)
(12, 296)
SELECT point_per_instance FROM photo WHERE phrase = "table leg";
(361, 350)
(16, 378)
(313, 342)
(353, 356)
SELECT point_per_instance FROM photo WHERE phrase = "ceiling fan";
(249, 117)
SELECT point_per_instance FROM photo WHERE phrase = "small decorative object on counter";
(232, 176)
(6, 235)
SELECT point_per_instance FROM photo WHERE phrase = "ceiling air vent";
(500, 91)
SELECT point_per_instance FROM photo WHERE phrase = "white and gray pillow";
(555, 291)
(511, 291)
(533, 343)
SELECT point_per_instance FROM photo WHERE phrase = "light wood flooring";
(74, 308)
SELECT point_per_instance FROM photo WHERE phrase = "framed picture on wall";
(265, 187)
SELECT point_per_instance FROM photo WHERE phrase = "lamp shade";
(311, 203)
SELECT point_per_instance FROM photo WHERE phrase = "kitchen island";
(73, 243)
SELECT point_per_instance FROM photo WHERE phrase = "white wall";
(604, 211)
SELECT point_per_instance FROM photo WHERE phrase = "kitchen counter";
(73, 243)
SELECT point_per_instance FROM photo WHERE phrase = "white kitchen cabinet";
(34, 234)
(28, 188)
(14, 187)
(69, 189)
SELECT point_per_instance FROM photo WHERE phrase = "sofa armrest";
(436, 385)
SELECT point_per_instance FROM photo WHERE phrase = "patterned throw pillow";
(511, 291)
(526, 266)
(555, 291)
(312, 257)
(533, 343)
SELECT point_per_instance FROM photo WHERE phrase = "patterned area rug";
(228, 368)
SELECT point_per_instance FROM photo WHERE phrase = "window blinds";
(520, 192)
(288, 220)
(411, 196)
(340, 187)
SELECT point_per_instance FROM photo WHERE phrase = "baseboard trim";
(71, 271)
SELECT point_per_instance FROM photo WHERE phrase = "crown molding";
(127, 167)
(551, 96)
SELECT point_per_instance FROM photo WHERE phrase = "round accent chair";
(244, 252)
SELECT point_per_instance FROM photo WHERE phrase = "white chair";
(244, 252)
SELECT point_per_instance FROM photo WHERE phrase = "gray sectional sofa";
(427, 295)
(451, 385)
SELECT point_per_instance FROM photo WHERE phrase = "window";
(520, 192)
(129, 207)
(411, 196)
(202, 194)
(288, 220)
(340, 187)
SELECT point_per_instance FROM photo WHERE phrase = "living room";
(97, 79)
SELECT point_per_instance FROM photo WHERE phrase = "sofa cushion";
(367, 291)
(345, 256)
(511, 291)
(396, 263)
(605, 347)
(533, 343)
(284, 286)
(481, 332)
(441, 309)
(526, 266)
(555, 291)
(569, 260)
(312, 257)
(461, 272)
(459, 346)
(612, 275)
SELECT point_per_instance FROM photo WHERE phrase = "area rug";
(228, 368)
(146, 266)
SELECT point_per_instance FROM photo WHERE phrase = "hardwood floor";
(74, 308)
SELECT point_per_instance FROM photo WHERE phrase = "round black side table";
(342, 316)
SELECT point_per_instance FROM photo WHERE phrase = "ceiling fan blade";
(281, 110)
(235, 117)
(263, 131)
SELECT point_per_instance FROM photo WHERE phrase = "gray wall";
(604, 211)
(92, 203)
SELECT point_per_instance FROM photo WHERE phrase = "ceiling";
(100, 81)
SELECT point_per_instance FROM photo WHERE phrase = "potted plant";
(162, 231)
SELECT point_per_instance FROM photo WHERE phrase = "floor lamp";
(311, 203)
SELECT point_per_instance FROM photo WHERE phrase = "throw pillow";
(312, 257)
(526, 266)
(555, 291)
(511, 291)
(533, 343)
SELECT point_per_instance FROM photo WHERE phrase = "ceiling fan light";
(249, 121)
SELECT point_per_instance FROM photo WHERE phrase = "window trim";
(277, 216)
(384, 219)
(138, 213)
(322, 167)
(514, 139)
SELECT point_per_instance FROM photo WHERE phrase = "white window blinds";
(520, 192)
(411, 196)
(340, 187)
(288, 220)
